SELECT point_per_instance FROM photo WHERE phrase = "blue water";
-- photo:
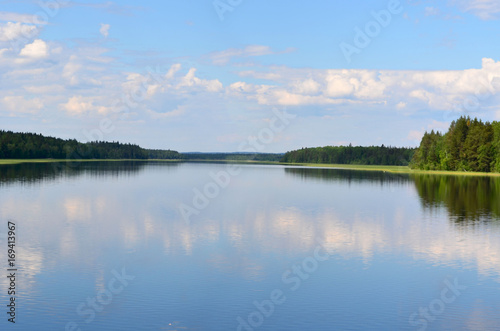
(105, 246)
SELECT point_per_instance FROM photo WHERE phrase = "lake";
(207, 246)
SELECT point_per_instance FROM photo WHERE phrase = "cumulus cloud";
(77, 105)
(12, 31)
(173, 69)
(37, 49)
(307, 86)
(104, 30)
(440, 90)
(190, 80)
(79, 82)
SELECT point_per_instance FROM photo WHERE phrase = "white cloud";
(225, 56)
(438, 126)
(78, 105)
(339, 85)
(71, 69)
(415, 136)
(308, 86)
(401, 105)
(273, 96)
(22, 18)
(190, 80)
(484, 9)
(173, 69)
(37, 49)
(241, 87)
(104, 30)
(12, 31)
(438, 90)
(20, 105)
(176, 112)
(44, 89)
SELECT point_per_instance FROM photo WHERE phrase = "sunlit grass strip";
(393, 169)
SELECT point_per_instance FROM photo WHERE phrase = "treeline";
(469, 145)
(373, 155)
(233, 156)
(163, 154)
(36, 146)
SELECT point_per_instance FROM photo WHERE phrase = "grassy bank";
(393, 169)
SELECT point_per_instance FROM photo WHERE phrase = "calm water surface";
(104, 246)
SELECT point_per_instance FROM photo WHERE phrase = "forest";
(469, 145)
(265, 157)
(359, 155)
(36, 146)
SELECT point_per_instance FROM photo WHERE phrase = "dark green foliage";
(469, 145)
(428, 156)
(372, 155)
(161, 154)
(35, 146)
(495, 145)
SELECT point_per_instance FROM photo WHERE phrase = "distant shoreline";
(384, 168)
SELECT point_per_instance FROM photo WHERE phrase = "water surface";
(395, 245)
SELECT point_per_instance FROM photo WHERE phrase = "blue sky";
(210, 75)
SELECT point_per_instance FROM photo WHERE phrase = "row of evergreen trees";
(266, 157)
(36, 146)
(469, 145)
(372, 155)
